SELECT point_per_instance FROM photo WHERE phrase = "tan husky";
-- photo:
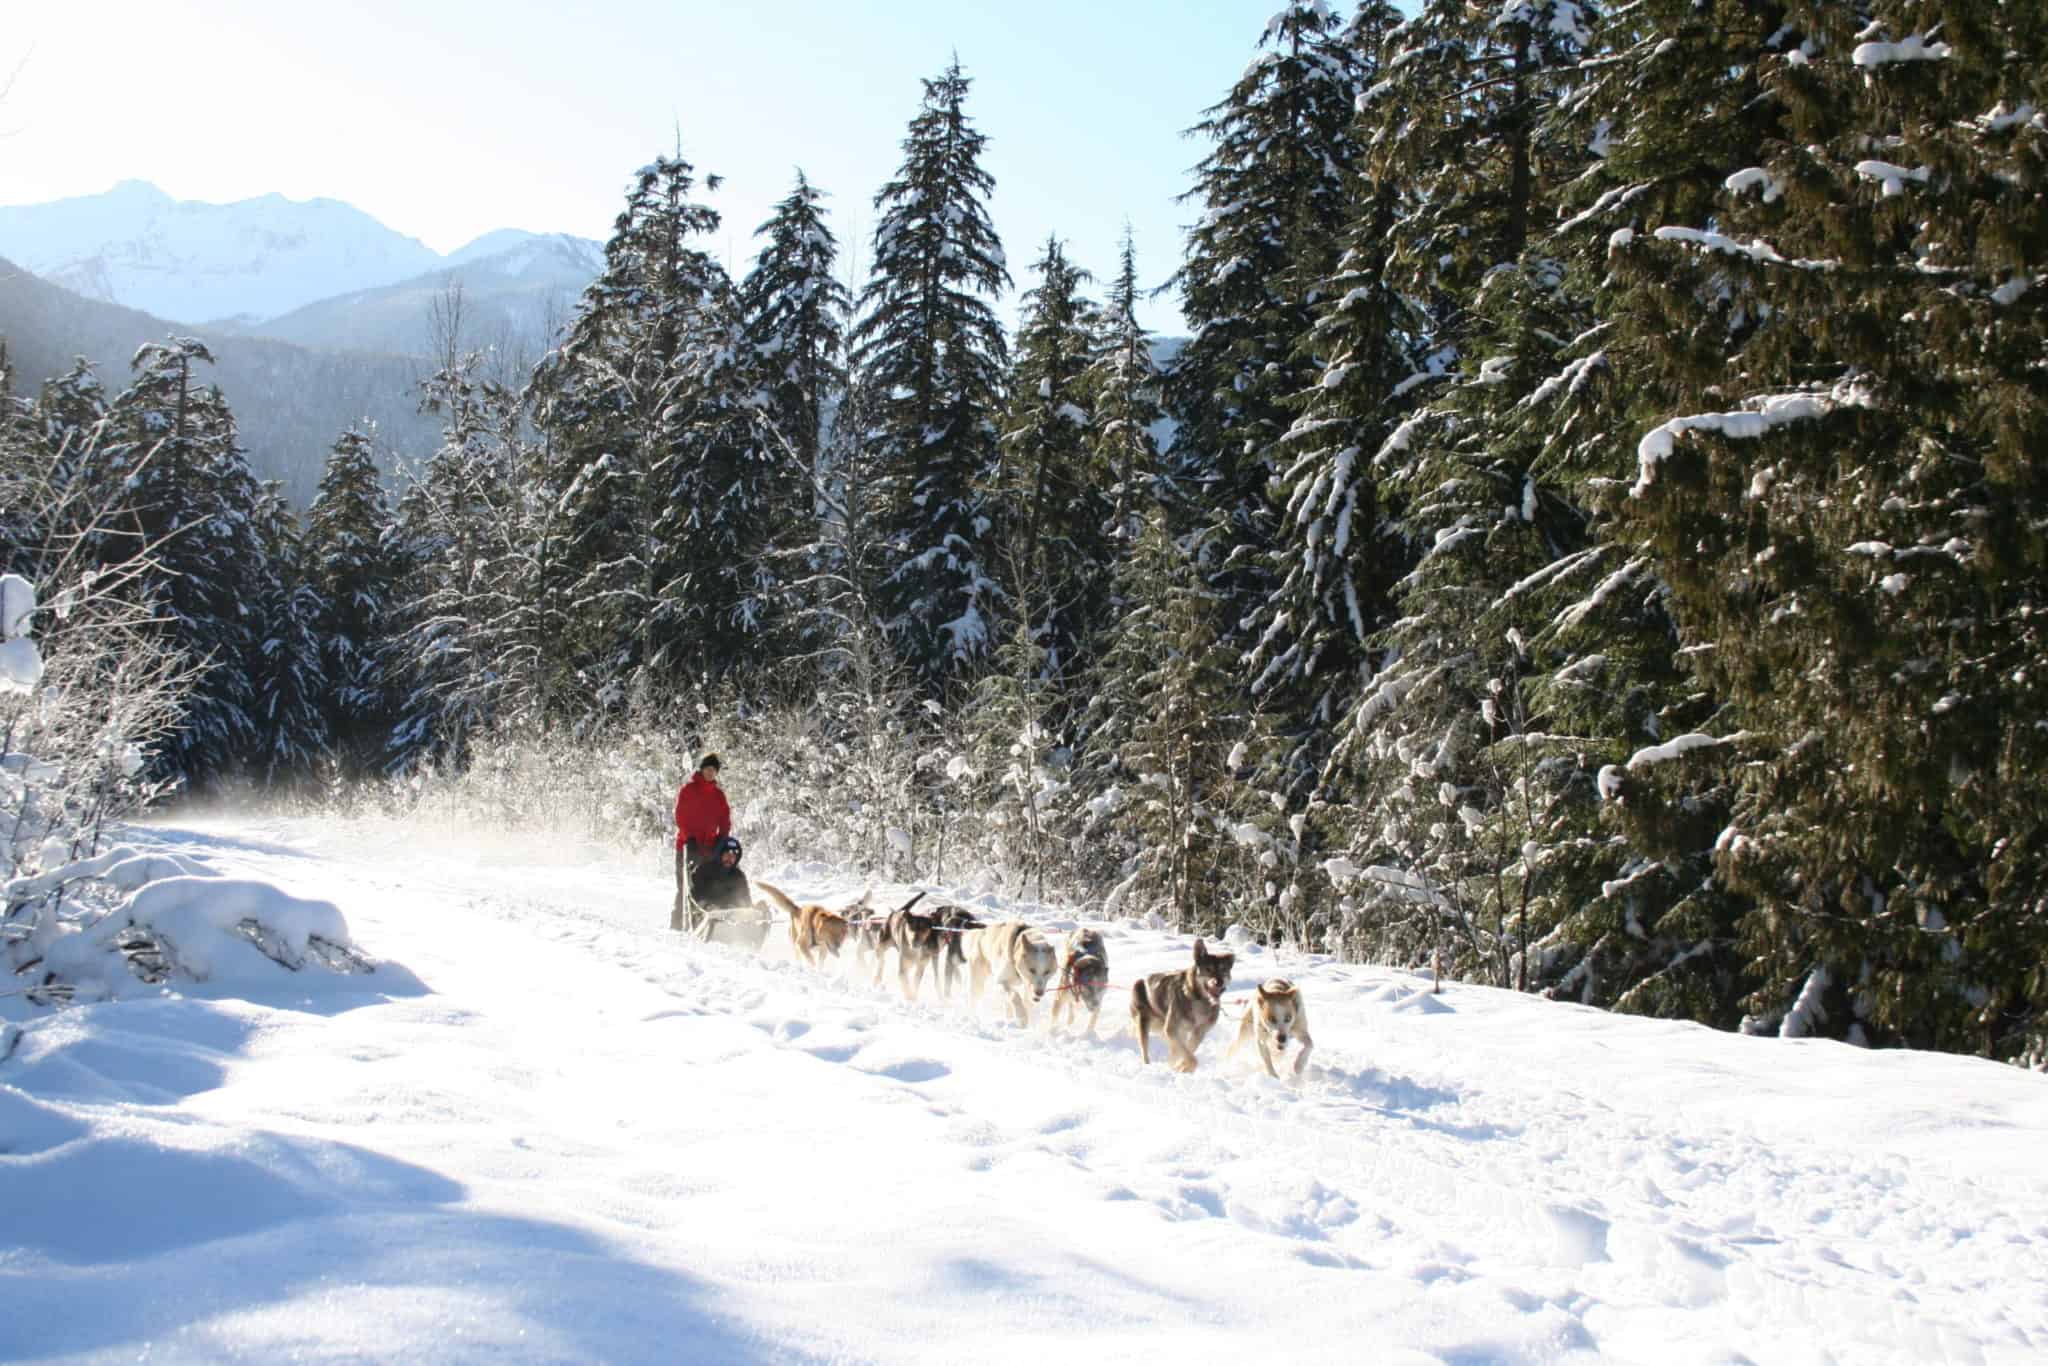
(1084, 977)
(1185, 1005)
(814, 931)
(1275, 1015)
(1017, 957)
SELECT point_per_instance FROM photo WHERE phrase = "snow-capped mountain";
(254, 260)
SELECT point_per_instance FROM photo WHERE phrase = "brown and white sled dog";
(915, 937)
(1185, 1005)
(1275, 1015)
(1019, 958)
(814, 931)
(949, 960)
(1084, 977)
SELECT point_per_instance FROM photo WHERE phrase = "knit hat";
(708, 761)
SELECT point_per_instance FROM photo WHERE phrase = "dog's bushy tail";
(778, 896)
(1141, 1016)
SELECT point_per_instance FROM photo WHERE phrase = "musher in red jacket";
(702, 820)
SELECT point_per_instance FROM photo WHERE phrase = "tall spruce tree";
(611, 407)
(1275, 191)
(185, 492)
(796, 312)
(348, 565)
(1123, 388)
(931, 355)
(287, 676)
(1845, 495)
(1459, 779)
(1335, 556)
(1052, 498)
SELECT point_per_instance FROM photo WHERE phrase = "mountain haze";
(290, 402)
(517, 289)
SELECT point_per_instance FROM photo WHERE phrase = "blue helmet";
(725, 843)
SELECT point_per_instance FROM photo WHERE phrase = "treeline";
(1600, 546)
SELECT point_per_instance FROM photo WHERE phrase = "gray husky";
(1185, 1005)
(1084, 977)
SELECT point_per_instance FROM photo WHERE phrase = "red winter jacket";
(702, 817)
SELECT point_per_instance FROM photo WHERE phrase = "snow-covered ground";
(549, 1130)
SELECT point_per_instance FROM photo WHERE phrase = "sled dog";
(1084, 976)
(1275, 1015)
(1018, 957)
(915, 937)
(1185, 1005)
(814, 932)
(869, 931)
(950, 925)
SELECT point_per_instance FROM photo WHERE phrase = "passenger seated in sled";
(717, 884)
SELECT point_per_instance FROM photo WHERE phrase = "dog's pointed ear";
(1201, 949)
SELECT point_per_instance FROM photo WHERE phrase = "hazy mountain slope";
(515, 295)
(193, 262)
(290, 401)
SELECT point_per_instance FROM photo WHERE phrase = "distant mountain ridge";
(256, 261)
(517, 290)
(290, 402)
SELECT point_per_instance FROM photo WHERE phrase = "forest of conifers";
(1594, 540)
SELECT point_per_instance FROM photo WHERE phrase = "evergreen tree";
(1335, 555)
(666, 492)
(348, 568)
(931, 355)
(1123, 388)
(288, 679)
(474, 645)
(1845, 497)
(1052, 497)
(606, 406)
(186, 492)
(796, 312)
(1459, 779)
(1160, 728)
(1275, 190)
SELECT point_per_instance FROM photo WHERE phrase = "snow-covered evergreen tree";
(931, 356)
(1123, 388)
(1162, 721)
(288, 677)
(667, 493)
(1335, 556)
(472, 644)
(348, 566)
(1843, 493)
(1052, 497)
(796, 312)
(1275, 192)
(186, 492)
(1459, 782)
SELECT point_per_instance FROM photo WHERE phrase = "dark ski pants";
(687, 862)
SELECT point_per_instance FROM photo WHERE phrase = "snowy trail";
(592, 1140)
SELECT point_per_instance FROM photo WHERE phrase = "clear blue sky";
(445, 119)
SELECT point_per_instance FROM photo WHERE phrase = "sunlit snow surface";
(549, 1130)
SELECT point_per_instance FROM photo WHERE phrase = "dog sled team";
(715, 901)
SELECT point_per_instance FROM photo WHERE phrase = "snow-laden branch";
(1912, 49)
(1772, 412)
